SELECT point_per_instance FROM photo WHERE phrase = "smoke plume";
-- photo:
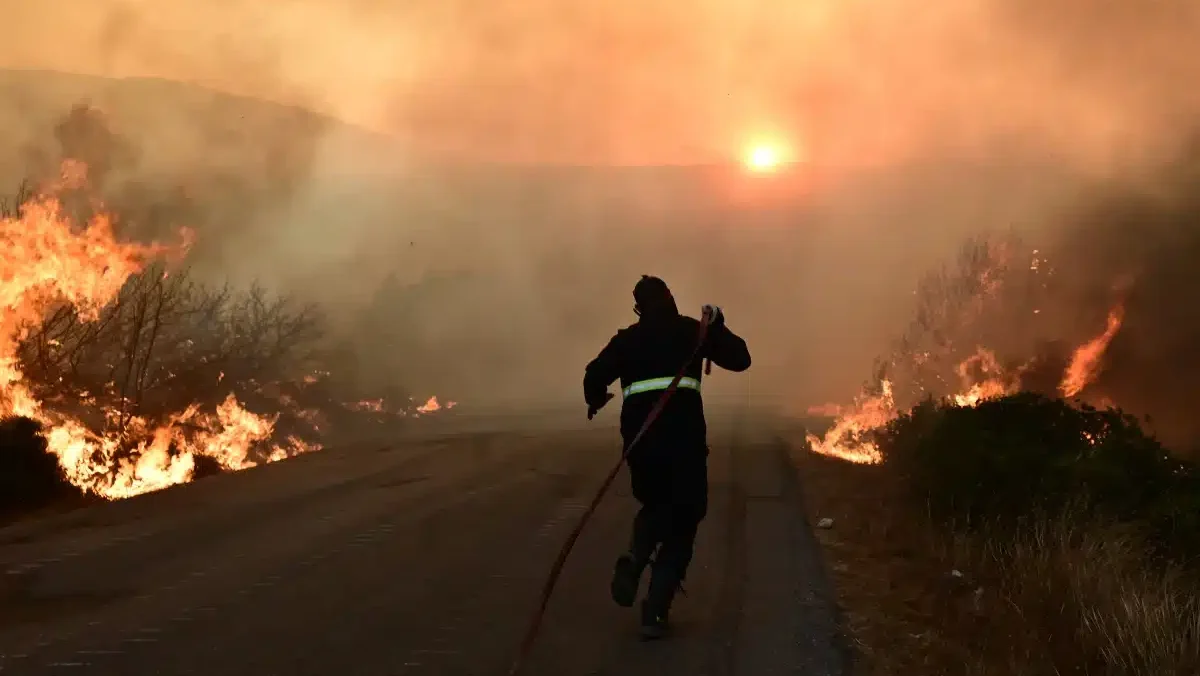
(472, 190)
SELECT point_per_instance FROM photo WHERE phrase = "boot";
(627, 572)
(627, 575)
(656, 609)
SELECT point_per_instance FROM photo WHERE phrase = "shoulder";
(625, 334)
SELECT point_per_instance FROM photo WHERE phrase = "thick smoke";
(449, 268)
(1141, 244)
(850, 81)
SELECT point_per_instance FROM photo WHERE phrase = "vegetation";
(1020, 536)
(29, 476)
(1028, 534)
(169, 340)
(1083, 517)
(1007, 463)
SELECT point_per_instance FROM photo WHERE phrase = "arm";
(600, 373)
(727, 349)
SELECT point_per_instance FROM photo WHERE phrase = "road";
(423, 555)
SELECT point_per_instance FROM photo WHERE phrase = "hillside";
(179, 121)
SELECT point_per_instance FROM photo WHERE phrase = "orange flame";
(1086, 360)
(844, 440)
(47, 261)
(981, 375)
(432, 405)
(982, 378)
(996, 383)
(372, 405)
(381, 406)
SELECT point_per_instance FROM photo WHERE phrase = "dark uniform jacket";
(655, 347)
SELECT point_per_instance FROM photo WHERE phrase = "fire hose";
(535, 622)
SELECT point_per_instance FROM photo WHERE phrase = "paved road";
(417, 557)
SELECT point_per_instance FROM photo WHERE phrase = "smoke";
(399, 205)
(1141, 243)
(659, 82)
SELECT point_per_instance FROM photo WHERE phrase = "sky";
(659, 81)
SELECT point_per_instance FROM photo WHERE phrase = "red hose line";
(535, 623)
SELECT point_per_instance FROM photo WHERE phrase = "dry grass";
(1130, 616)
(1060, 598)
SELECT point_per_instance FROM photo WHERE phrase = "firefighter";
(669, 465)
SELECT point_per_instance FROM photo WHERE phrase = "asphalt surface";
(419, 556)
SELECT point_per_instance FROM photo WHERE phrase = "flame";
(982, 378)
(1086, 360)
(371, 405)
(995, 383)
(844, 439)
(981, 375)
(314, 417)
(48, 261)
(432, 405)
(381, 406)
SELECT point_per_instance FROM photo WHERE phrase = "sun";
(763, 157)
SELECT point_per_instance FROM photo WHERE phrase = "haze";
(916, 123)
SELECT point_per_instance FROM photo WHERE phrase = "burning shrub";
(1004, 461)
(167, 342)
(1121, 270)
(118, 358)
(142, 377)
(1079, 524)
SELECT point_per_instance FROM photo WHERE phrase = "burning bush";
(134, 375)
(163, 344)
(1071, 532)
(109, 351)
(1078, 531)
(996, 321)
(1116, 285)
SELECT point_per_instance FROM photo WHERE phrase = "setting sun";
(763, 157)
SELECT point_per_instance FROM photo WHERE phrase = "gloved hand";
(716, 316)
(593, 410)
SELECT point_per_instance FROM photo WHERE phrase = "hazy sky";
(661, 80)
(1079, 87)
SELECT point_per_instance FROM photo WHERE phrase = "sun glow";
(763, 157)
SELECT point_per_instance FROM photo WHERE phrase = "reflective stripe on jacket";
(658, 384)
